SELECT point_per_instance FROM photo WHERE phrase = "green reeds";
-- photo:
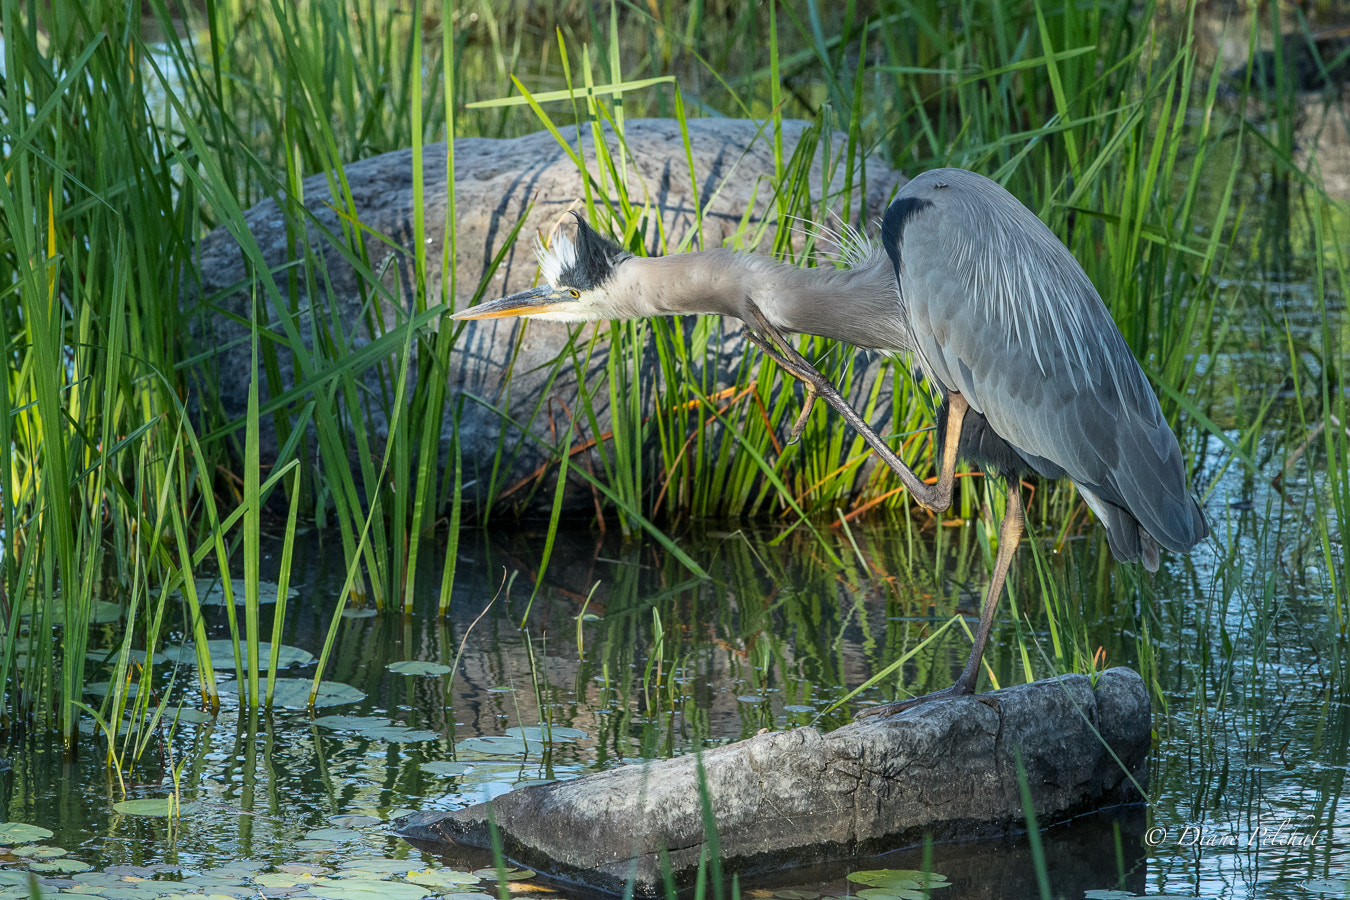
(123, 479)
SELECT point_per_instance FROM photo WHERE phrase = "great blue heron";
(997, 315)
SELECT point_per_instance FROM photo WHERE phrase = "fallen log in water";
(948, 769)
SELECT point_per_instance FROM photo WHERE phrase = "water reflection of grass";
(1187, 202)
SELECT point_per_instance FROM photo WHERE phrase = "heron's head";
(576, 274)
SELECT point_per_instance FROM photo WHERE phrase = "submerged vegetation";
(1184, 192)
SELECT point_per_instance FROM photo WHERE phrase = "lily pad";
(129, 870)
(102, 688)
(316, 846)
(240, 868)
(365, 889)
(100, 612)
(333, 834)
(95, 880)
(491, 874)
(188, 716)
(354, 821)
(283, 880)
(442, 879)
(238, 891)
(496, 746)
(293, 693)
(1327, 886)
(538, 734)
(380, 865)
(19, 833)
(895, 891)
(445, 768)
(211, 592)
(881, 877)
(222, 655)
(485, 771)
(352, 723)
(417, 667)
(110, 656)
(146, 890)
(400, 735)
(156, 807)
(39, 851)
(303, 869)
(60, 867)
(897, 884)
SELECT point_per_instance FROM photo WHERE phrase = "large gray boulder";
(796, 798)
(530, 182)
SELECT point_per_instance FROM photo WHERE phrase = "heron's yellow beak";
(543, 299)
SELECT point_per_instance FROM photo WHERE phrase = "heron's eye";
(576, 294)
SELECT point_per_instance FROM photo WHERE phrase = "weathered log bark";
(793, 798)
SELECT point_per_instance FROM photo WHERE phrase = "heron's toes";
(800, 425)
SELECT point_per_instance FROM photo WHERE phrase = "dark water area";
(624, 657)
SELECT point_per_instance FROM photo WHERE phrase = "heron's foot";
(765, 335)
(890, 709)
(776, 347)
(800, 425)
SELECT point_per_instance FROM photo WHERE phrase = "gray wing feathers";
(1002, 313)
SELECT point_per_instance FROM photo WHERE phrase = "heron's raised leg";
(937, 497)
(1010, 533)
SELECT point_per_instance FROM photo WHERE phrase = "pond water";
(629, 658)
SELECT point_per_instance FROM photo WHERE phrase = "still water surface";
(630, 658)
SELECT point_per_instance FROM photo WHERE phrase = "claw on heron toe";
(800, 425)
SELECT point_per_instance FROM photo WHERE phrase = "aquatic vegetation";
(125, 491)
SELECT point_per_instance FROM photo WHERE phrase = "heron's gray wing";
(1002, 313)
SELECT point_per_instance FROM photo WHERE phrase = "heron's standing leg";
(937, 497)
(1010, 534)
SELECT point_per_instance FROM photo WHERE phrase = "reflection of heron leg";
(1010, 533)
(937, 497)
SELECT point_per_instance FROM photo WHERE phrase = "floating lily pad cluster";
(376, 728)
(293, 693)
(519, 743)
(487, 767)
(369, 878)
(418, 667)
(897, 884)
(222, 655)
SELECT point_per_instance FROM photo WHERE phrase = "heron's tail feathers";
(1132, 540)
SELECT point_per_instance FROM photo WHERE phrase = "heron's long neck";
(858, 305)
